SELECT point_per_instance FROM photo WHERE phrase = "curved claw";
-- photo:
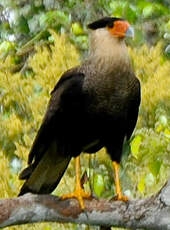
(121, 198)
(79, 194)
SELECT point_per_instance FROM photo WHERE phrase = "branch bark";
(152, 213)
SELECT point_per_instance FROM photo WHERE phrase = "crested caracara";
(93, 105)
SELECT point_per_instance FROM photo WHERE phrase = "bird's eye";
(110, 25)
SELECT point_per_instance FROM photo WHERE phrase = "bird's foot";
(119, 195)
(121, 198)
(79, 194)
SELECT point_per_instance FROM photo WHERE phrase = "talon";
(79, 192)
(121, 198)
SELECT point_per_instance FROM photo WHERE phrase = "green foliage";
(135, 145)
(153, 70)
(150, 169)
(98, 184)
(22, 20)
(23, 102)
(148, 165)
(55, 18)
(24, 98)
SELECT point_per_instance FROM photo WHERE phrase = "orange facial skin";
(119, 28)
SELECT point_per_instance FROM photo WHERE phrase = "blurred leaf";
(167, 36)
(141, 185)
(16, 165)
(118, 8)
(82, 41)
(51, 39)
(38, 89)
(6, 46)
(77, 28)
(98, 184)
(53, 18)
(131, 13)
(167, 26)
(128, 193)
(148, 11)
(167, 50)
(149, 179)
(135, 145)
(158, 128)
(154, 9)
(155, 166)
(167, 133)
(163, 120)
(22, 26)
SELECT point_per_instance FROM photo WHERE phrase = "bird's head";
(116, 27)
(106, 43)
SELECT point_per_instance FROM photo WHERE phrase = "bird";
(93, 105)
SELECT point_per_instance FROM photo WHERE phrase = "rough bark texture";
(152, 213)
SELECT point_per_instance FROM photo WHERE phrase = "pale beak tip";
(130, 32)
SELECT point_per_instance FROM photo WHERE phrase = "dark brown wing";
(71, 81)
(51, 150)
(133, 109)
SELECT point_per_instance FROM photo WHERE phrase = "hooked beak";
(130, 32)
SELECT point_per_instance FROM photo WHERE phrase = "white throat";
(107, 49)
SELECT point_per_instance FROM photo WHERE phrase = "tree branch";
(152, 213)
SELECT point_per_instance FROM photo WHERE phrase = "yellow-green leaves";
(5, 47)
(153, 72)
(24, 98)
(145, 182)
(77, 29)
(135, 146)
(154, 166)
(141, 185)
(98, 184)
(163, 120)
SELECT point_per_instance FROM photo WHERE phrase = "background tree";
(32, 59)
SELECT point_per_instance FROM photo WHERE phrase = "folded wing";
(53, 146)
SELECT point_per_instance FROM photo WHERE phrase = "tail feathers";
(26, 173)
(44, 178)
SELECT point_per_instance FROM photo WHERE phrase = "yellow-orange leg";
(78, 193)
(117, 183)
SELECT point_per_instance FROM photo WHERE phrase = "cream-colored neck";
(107, 51)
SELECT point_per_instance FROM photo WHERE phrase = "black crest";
(103, 22)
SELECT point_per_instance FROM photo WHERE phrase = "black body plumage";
(90, 107)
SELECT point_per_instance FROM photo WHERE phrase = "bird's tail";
(45, 176)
